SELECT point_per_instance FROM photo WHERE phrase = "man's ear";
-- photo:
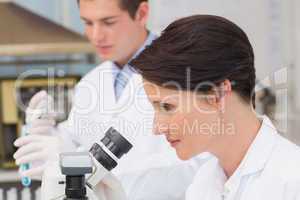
(142, 13)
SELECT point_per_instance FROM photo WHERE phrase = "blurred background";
(46, 37)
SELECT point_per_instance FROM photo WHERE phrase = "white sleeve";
(159, 183)
(292, 191)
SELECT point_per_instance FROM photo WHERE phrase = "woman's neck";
(232, 148)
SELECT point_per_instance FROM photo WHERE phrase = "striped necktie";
(120, 83)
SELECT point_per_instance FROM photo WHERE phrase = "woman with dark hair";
(200, 77)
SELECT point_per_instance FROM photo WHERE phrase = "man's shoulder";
(107, 65)
(93, 76)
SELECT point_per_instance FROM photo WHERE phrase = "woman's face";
(187, 119)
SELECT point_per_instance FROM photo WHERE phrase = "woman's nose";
(160, 127)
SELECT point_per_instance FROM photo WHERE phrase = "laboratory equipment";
(104, 156)
(42, 110)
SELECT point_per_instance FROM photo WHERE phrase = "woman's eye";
(166, 107)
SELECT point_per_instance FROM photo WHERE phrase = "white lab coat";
(270, 170)
(95, 110)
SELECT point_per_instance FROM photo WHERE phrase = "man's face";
(115, 35)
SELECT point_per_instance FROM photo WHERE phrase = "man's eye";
(109, 23)
(88, 23)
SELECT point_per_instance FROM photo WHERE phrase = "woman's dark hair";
(210, 48)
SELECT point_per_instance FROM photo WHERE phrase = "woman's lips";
(173, 143)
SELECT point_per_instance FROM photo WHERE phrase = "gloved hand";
(110, 188)
(40, 115)
(39, 145)
(33, 148)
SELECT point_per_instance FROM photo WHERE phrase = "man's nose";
(98, 34)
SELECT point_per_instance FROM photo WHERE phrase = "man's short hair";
(131, 6)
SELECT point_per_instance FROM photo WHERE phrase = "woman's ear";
(142, 13)
(217, 98)
(221, 93)
(212, 99)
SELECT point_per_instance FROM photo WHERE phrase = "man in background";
(117, 30)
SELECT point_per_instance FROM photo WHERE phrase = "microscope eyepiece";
(102, 157)
(116, 143)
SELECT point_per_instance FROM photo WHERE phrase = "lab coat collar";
(258, 153)
(109, 67)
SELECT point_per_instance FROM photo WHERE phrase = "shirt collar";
(258, 153)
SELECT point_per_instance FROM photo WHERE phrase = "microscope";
(81, 172)
(75, 166)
